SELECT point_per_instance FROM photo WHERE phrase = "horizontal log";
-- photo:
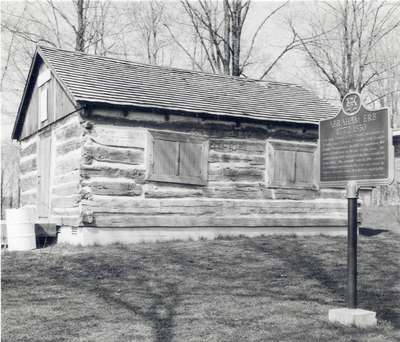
(28, 183)
(295, 194)
(118, 220)
(66, 189)
(332, 193)
(117, 187)
(188, 206)
(131, 115)
(28, 165)
(68, 146)
(67, 163)
(226, 190)
(212, 128)
(119, 136)
(238, 174)
(29, 149)
(70, 130)
(220, 157)
(210, 211)
(192, 202)
(113, 170)
(238, 146)
(66, 211)
(239, 191)
(93, 151)
(70, 177)
(72, 221)
(71, 201)
(154, 191)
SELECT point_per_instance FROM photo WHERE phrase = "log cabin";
(115, 151)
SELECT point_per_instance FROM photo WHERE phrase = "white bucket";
(20, 229)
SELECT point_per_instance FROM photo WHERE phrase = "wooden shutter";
(290, 164)
(165, 157)
(304, 167)
(177, 158)
(190, 159)
(284, 167)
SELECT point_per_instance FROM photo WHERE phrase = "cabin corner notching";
(130, 159)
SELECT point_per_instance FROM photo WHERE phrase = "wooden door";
(44, 160)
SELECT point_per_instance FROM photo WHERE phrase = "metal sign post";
(352, 196)
(355, 150)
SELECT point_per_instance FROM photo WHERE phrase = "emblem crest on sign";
(351, 103)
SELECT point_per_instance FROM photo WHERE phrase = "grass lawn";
(260, 289)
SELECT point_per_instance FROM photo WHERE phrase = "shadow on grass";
(149, 297)
(299, 260)
(159, 314)
(382, 295)
(149, 279)
(377, 293)
(371, 231)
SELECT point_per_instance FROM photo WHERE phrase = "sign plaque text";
(356, 145)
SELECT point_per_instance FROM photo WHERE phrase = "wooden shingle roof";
(99, 79)
(89, 79)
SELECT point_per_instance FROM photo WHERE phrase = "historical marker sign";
(356, 145)
(355, 150)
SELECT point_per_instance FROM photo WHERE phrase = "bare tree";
(87, 23)
(147, 19)
(79, 24)
(218, 28)
(384, 90)
(9, 183)
(345, 38)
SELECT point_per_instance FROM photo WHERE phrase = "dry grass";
(260, 289)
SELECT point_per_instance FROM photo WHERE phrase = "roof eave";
(180, 110)
(17, 129)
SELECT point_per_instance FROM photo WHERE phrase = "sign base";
(353, 317)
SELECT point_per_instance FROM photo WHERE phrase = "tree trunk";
(236, 21)
(80, 32)
(227, 38)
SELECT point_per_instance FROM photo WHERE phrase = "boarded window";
(165, 157)
(284, 172)
(304, 167)
(43, 102)
(177, 158)
(290, 164)
(43, 84)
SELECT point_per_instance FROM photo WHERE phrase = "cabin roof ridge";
(103, 80)
(167, 67)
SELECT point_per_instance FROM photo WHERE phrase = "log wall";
(66, 141)
(65, 186)
(29, 171)
(115, 192)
